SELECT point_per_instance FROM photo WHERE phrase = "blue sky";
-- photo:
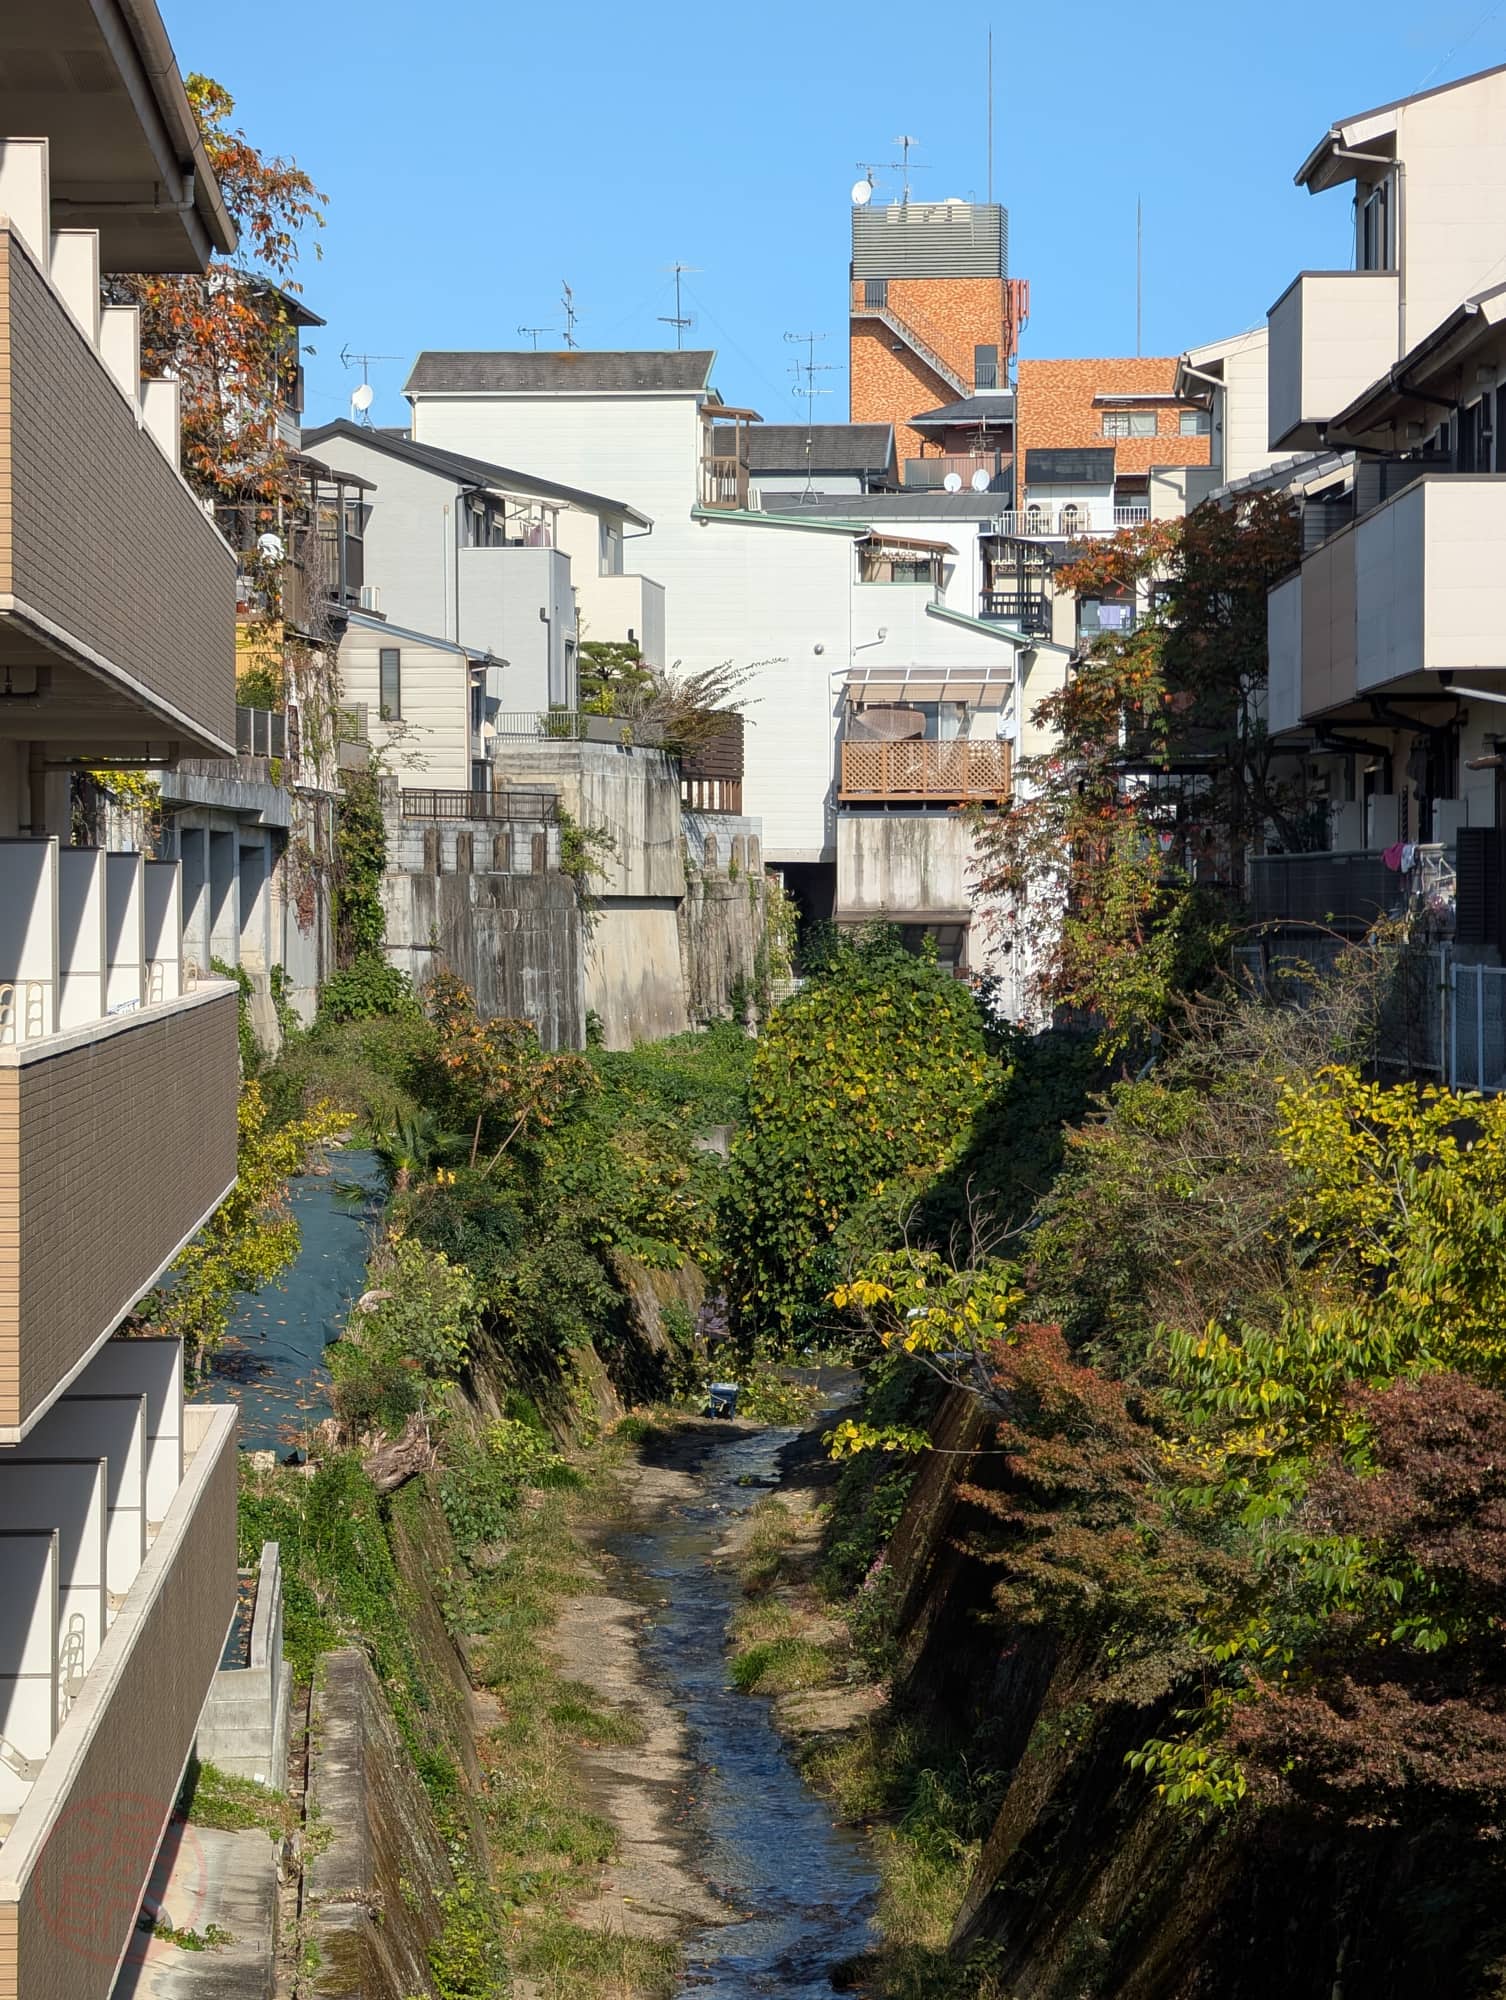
(477, 152)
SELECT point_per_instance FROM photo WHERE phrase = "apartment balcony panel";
(117, 594)
(1071, 520)
(79, 1851)
(917, 771)
(118, 1092)
(979, 472)
(1332, 333)
(1431, 595)
(624, 606)
(1339, 891)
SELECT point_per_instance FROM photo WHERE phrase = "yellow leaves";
(861, 1292)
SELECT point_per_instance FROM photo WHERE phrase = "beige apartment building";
(1387, 669)
(118, 1074)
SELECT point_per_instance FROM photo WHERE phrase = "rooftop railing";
(1074, 518)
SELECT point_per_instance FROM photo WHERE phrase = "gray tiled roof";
(997, 409)
(466, 470)
(582, 370)
(833, 447)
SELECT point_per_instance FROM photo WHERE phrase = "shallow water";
(272, 1362)
(803, 1889)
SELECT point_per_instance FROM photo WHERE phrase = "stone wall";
(668, 931)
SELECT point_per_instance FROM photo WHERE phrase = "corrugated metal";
(931, 240)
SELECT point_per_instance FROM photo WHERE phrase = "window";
(878, 564)
(985, 367)
(1195, 423)
(1372, 246)
(390, 683)
(1129, 423)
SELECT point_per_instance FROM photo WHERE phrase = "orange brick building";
(1127, 402)
(934, 316)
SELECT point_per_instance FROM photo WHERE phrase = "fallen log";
(393, 1463)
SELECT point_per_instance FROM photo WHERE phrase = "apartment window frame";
(875, 293)
(390, 683)
(1195, 423)
(1375, 226)
(1130, 423)
(986, 366)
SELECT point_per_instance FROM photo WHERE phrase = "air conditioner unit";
(371, 597)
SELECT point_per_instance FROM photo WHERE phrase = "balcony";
(711, 771)
(118, 1089)
(118, 1568)
(118, 594)
(1339, 891)
(979, 472)
(1069, 521)
(920, 772)
(626, 606)
(1025, 611)
(1332, 333)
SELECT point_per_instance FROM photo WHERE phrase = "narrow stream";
(804, 1889)
(272, 1360)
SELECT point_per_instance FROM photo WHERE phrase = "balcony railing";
(1026, 611)
(923, 771)
(510, 805)
(101, 541)
(711, 795)
(724, 482)
(929, 475)
(569, 725)
(261, 732)
(1076, 518)
(1343, 891)
(97, 1727)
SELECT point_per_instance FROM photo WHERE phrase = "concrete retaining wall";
(244, 1727)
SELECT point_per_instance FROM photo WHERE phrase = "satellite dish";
(363, 398)
(953, 482)
(862, 193)
(270, 548)
(981, 481)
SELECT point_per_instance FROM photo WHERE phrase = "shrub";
(368, 988)
(415, 1334)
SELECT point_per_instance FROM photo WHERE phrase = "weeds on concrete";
(212, 1797)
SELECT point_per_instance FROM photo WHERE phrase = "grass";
(213, 1797)
(544, 1839)
(773, 1532)
(774, 1655)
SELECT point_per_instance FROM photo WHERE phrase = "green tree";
(864, 1088)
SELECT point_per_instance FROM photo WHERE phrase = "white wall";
(1454, 201)
(430, 746)
(1332, 333)
(1284, 655)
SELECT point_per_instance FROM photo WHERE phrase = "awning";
(981, 687)
(908, 543)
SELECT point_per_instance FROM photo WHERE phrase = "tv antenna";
(363, 396)
(681, 320)
(805, 373)
(533, 332)
(567, 303)
(904, 166)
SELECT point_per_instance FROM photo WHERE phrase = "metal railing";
(1026, 610)
(569, 725)
(1352, 891)
(913, 769)
(1081, 517)
(479, 805)
(261, 732)
(929, 475)
(1477, 1028)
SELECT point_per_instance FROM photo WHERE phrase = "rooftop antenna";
(1139, 274)
(904, 166)
(990, 116)
(681, 319)
(363, 396)
(905, 142)
(533, 332)
(567, 301)
(805, 373)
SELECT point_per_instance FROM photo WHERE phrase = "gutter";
(155, 53)
(989, 625)
(749, 518)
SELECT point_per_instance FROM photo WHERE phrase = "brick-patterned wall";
(952, 316)
(1054, 406)
(77, 1906)
(109, 1154)
(887, 387)
(97, 532)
